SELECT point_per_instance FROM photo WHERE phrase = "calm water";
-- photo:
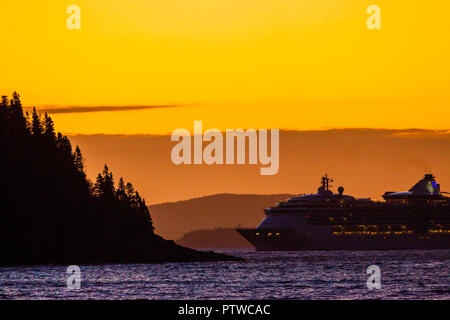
(265, 275)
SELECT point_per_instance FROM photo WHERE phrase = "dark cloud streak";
(85, 109)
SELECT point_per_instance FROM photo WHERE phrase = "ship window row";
(372, 228)
(268, 234)
(387, 233)
(434, 202)
(380, 230)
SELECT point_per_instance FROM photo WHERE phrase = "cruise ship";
(414, 219)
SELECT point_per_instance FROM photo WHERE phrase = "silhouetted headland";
(224, 238)
(51, 213)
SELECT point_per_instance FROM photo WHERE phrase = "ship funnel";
(426, 186)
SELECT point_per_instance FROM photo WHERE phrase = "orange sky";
(231, 63)
(366, 162)
(288, 64)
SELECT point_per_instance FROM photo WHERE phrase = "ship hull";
(285, 239)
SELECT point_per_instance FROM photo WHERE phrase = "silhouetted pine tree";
(121, 192)
(108, 183)
(78, 160)
(98, 186)
(49, 128)
(36, 126)
(130, 190)
(4, 104)
(17, 119)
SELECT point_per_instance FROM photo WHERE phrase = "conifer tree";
(64, 150)
(121, 192)
(146, 213)
(36, 125)
(78, 160)
(98, 186)
(28, 122)
(130, 190)
(49, 128)
(18, 121)
(108, 184)
(4, 105)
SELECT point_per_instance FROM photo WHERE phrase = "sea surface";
(264, 275)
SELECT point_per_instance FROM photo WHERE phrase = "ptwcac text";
(213, 153)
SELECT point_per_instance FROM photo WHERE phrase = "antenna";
(326, 182)
(329, 185)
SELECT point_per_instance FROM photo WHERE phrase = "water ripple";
(264, 275)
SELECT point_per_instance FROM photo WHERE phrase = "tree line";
(49, 210)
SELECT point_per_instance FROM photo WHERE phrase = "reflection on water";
(265, 275)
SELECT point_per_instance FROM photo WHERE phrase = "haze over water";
(421, 274)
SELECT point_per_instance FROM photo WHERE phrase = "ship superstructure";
(415, 219)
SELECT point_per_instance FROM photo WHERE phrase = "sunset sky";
(232, 63)
(142, 68)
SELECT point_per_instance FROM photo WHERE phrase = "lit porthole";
(269, 234)
(277, 234)
(257, 233)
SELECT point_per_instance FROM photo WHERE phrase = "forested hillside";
(51, 213)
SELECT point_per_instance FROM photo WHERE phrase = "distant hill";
(172, 220)
(214, 238)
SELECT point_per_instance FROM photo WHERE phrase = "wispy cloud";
(84, 109)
